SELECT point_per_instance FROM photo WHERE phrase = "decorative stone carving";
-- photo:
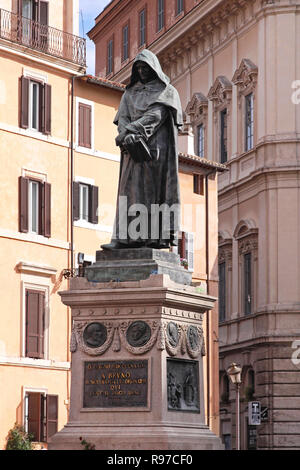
(197, 107)
(173, 338)
(182, 385)
(225, 248)
(95, 335)
(245, 77)
(138, 334)
(173, 334)
(248, 245)
(138, 346)
(84, 341)
(220, 92)
(195, 341)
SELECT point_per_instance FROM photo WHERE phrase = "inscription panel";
(110, 384)
(183, 385)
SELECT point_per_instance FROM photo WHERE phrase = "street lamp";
(234, 373)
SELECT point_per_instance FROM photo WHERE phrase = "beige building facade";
(236, 65)
(41, 58)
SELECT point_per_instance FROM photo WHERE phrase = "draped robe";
(151, 110)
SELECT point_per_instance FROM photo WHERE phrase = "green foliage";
(87, 445)
(18, 439)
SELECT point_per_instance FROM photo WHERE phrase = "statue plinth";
(137, 373)
(135, 264)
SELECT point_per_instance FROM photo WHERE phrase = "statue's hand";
(130, 139)
(120, 138)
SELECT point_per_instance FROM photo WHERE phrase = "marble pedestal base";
(137, 375)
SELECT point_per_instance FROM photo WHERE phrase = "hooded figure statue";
(148, 204)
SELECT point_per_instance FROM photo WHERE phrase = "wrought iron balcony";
(43, 38)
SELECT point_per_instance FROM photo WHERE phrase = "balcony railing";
(42, 38)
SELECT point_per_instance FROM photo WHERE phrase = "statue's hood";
(152, 61)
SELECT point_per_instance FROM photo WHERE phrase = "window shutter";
(47, 109)
(43, 12)
(35, 313)
(46, 229)
(52, 415)
(34, 415)
(93, 204)
(23, 204)
(80, 125)
(181, 245)
(41, 107)
(85, 125)
(24, 114)
(75, 201)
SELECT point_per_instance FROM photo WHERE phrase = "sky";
(89, 9)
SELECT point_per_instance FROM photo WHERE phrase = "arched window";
(246, 233)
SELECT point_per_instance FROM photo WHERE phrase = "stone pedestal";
(136, 264)
(137, 378)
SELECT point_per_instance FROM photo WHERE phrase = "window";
(34, 207)
(247, 284)
(249, 122)
(222, 291)
(224, 387)
(179, 6)
(161, 15)
(35, 105)
(197, 110)
(186, 248)
(41, 415)
(35, 323)
(85, 202)
(223, 141)
(246, 233)
(110, 57)
(142, 24)
(125, 35)
(84, 125)
(198, 181)
(200, 140)
(31, 30)
(245, 79)
(36, 10)
(225, 275)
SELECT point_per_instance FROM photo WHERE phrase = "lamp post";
(234, 373)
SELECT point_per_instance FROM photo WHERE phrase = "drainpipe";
(74, 77)
(207, 277)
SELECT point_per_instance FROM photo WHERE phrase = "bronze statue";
(148, 204)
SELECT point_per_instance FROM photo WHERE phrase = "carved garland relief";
(137, 337)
